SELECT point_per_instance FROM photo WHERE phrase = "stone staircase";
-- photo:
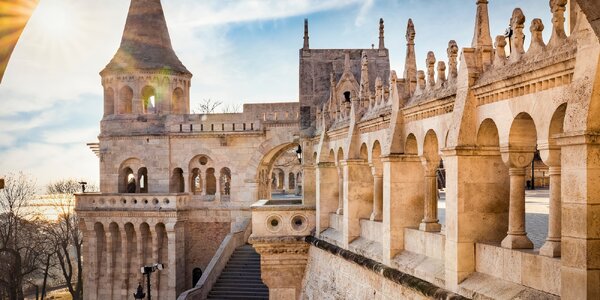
(241, 277)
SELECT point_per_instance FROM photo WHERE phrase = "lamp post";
(83, 183)
(147, 270)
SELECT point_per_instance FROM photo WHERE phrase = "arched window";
(177, 102)
(177, 185)
(109, 102)
(225, 181)
(292, 181)
(196, 182)
(126, 178)
(143, 179)
(148, 100)
(196, 274)
(125, 100)
(211, 182)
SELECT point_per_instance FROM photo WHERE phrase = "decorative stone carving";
(518, 38)
(537, 41)
(500, 44)
(452, 59)
(558, 22)
(410, 63)
(441, 72)
(430, 61)
(381, 39)
(421, 79)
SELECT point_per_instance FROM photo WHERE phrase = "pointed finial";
(452, 59)
(537, 41)
(430, 62)
(481, 36)
(518, 38)
(500, 58)
(441, 71)
(305, 47)
(558, 22)
(347, 62)
(381, 40)
(410, 32)
(410, 62)
(421, 79)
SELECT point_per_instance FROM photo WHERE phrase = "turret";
(145, 76)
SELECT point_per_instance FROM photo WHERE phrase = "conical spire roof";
(146, 44)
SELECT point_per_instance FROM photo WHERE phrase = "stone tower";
(145, 76)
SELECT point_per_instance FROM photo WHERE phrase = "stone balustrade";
(144, 202)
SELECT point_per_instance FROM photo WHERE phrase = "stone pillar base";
(550, 249)
(513, 241)
(282, 264)
(375, 216)
(430, 227)
(339, 211)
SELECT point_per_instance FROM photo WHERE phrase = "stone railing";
(144, 202)
(282, 218)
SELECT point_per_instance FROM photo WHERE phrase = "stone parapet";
(138, 202)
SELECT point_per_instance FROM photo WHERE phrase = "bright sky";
(238, 51)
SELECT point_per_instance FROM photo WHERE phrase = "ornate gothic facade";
(177, 188)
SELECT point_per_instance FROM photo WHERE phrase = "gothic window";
(196, 183)
(143, 179)
(177, 185)
(148, 100)
(177, 102)
(292, 181)
(211, 182)
(225, 181)
(109, 102)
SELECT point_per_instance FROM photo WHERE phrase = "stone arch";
(376, 154)
(146, 247)
(364, 152)
(291, 181)
(266, 164)
(196, 184)
(211, 181)
(487, 134)
(160, 233)
(411, 147)
(149, 101)
(101, 252)
(522, 132)
(178, 101)
(177, 183)
(128, 178)
(557, 123)
(125, 100)
(431, 149)
(143, 180)
(340, 156)
(109, 102)
(196, 275)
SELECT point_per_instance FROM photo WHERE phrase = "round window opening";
(274, 223)
(299, 223)
(203, 160)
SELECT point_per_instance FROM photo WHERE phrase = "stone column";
(517, 236)
(340, 209)
(309, 185)
(218, 186)
(90, 264)
(580, 259)
(327, 197)
(154, 277)
(430, 220)
(126, 283)
(402, 200)
(203, 181)
(376, 214)
(187, 183)
(358, 194)
(551, 247)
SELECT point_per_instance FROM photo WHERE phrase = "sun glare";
(58, 20)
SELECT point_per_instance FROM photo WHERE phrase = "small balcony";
(141, 202)
(282, 218)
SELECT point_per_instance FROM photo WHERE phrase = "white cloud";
(71, 135)
(363, 12)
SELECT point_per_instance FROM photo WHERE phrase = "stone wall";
(202, 241)
(331, 277)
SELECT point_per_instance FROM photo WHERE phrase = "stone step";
(238, 293)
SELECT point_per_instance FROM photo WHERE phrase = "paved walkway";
(536, 218)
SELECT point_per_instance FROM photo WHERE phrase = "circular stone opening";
(134, 201)
(299, 223)
(145, 201)
(274, 223)
(166, 201)
(155, 201)
(123, 201)
(203, 160)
